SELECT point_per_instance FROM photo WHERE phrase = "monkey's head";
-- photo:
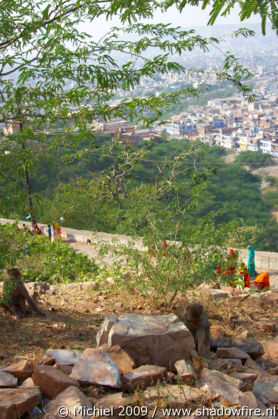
(15, 272)
(194, 312)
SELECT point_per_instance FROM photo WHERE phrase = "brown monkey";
(15, 294)
(194, 317)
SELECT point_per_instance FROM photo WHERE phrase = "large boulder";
(148, 339)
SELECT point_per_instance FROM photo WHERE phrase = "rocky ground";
(74, 315)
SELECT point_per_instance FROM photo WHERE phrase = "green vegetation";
(42, 260)
(52, 165)
(254, 159)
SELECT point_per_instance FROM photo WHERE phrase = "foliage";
(42, 260)
(254, 159)
(57, 79)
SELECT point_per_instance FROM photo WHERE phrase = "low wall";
(267, 261)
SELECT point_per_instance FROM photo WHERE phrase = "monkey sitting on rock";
(196, 320)
(15, 295)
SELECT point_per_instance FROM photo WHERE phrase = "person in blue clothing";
(251, 260)
(49, 231)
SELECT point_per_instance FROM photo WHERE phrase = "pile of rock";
(140, 352)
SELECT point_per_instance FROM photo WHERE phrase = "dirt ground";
(75, 314)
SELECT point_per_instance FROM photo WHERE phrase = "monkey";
(195, 318)
(15, 295)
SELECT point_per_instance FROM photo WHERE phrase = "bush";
(42, 260)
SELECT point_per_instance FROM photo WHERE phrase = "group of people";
(231, 267)
(54, 231)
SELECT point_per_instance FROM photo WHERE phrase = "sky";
(190, 17)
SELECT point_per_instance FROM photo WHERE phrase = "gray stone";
(7, 380)
(220, 385)
(231, 353)
(63, 356)
(96, 367)
(148, 339)
(249, 345)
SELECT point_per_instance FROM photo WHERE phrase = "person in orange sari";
(56, 231)
(244, 272)
(262, 281)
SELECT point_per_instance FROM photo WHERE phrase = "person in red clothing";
(244, 272)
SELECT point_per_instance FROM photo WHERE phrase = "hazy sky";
(190, 16)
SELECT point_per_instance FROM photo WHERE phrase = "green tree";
(52, 74)
(254, 159)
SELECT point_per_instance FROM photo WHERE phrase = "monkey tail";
(32, 303)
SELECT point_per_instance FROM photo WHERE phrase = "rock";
(67, 369)
(148, 339)
(7, 380)
(273, 371)
(51, 380)
(96, 367)
(220, 385)
(143, 376)
(28, 383)
(216, 294)
(175, 395)
(72, 398)
(248, 399)
(63, 356)
(271, 350)
(44, 360)
(249, 363)
(114, 403)
(185, 370)
(251, 346)
(15, 402)
(231, 353)
(265, 392)
(124, 362)
(225, 363)
(247, 379)
(21, 369)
